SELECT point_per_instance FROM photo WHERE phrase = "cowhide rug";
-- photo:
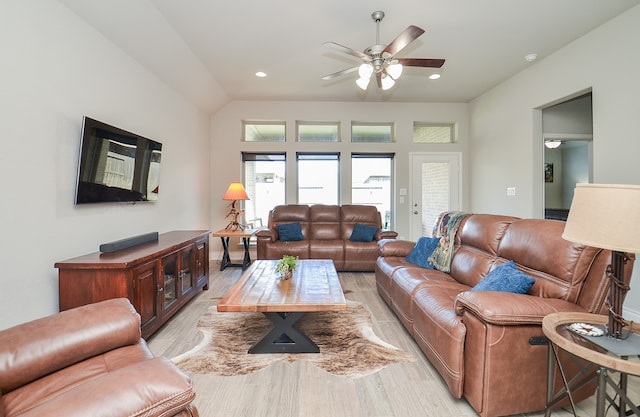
(348, 345)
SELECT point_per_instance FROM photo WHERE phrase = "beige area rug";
(348, 345)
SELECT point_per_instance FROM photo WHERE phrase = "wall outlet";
(511, 191)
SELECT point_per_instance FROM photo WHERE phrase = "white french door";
(435, 187)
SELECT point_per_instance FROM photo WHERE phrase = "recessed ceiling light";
(530, 57)
(434, 76)
(261, 74)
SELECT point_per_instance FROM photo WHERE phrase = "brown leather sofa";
(489, 346)
(88, 361)
(327, 230)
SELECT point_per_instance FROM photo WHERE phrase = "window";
(264, 181)
(263, 131)
(433, 132)
(318, 178)
(318, 131)
(372, 132)
(371, 182)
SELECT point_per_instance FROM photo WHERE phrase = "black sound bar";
(128, 242)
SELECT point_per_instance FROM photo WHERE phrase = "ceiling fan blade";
(346, 50)
(421, 62)
(405, 38)
(339, 73)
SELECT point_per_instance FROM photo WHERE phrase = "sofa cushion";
(290, 232)
(154, 387)
(363, 233)
(422, 251)
(506, 278)
(324, 222)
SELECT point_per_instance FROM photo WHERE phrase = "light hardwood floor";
(298, 389)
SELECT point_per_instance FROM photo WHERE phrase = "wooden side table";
(606, 355)
(225, 235)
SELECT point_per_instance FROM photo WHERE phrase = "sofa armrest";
(385, 234)
(502, 308)
(394, 247)
(31, 350)
(268, 235)
(155, 387)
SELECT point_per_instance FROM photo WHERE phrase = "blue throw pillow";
(422, 251)
(506, 278)
(290, 232)
(363, 233)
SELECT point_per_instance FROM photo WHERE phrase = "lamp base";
(616, 295)
(234, 212)
(234, 226)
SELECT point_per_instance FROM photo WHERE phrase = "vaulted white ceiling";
(210, 50)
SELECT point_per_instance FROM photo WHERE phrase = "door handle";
(415, 211)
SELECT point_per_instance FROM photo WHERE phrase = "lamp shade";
(387, 82)
(235, 192)
(363, 83)
(605, 216)
(394, 70)
(365, 71)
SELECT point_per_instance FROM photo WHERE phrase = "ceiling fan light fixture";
(365, 71)
(394, 70)
(379, 58)
(363, 82)
(387, 82)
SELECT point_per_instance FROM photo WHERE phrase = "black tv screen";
(116, 165)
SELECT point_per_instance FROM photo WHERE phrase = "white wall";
(226, 133)
(506, 123)
(56, 69)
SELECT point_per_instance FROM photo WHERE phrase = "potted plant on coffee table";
(287, 265)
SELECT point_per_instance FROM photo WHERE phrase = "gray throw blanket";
(446, 228)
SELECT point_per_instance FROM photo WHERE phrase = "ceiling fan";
(380, 59)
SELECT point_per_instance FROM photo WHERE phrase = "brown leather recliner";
(88, 361)
(327, 230)
(489, 346)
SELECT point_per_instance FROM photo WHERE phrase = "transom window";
(317, 131)
(433, 132)
(268, 131)
(372, 132)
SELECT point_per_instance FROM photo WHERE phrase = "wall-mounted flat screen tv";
(116, 165)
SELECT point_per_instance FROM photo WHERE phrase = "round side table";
(607, 356)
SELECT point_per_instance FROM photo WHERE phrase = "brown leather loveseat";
(327, 233)
(88, 361)
(488, 346)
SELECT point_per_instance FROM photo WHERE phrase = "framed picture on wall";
(548, 172)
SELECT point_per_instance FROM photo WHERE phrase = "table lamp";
(234, 193)
(607, 216)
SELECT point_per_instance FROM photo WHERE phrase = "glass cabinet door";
(186, 274)
(200, 264)
(169, 281)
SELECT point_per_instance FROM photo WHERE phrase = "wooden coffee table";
(314, 287)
